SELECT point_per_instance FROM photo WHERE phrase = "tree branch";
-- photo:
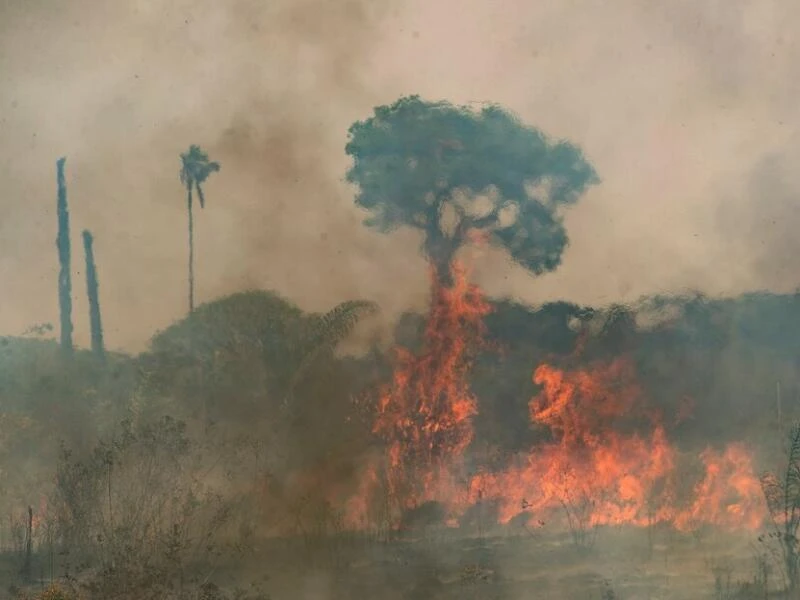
(489, 219)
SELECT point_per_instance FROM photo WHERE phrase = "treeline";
(719, 369)
(255, 356)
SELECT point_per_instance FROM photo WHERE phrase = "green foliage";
(421, 164)
(259, 318)
(195, 169)
(46, 398)
(323, 333)
(74, 395)
(255, 360)
(723, 355)
(257, 342)
(265, 341)
(709, 364)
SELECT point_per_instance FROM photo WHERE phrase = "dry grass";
(501, 566)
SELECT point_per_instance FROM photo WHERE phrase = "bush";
(135, 513)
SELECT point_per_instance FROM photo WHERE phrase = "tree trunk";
(27, 567)
(95, 322)
(441, 252)
(439, 247)
(191, 248)
(792, 567)
(64, 276)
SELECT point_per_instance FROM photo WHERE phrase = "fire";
(607, 460)
(424, 414)
(591, 458)
(728, 495)
(611, 457)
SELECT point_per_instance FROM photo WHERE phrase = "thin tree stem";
(191, 248)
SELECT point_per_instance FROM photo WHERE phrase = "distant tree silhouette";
(63, 245)
(289, 343)
(195, 169)
(254, 359)
(457, 174)
(95, 322)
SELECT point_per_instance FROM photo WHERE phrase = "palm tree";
(195, 169)
(325, 332)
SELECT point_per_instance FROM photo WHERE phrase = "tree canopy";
(454, 172)
(249, 347)
(195, 169)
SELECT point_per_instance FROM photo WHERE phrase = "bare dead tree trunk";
(95, 322)
(64, 274)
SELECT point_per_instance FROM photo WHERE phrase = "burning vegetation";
(235, 436)
(608, 459)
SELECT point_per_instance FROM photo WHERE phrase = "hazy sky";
(689, 111)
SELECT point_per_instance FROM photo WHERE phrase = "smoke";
(267, 88)
(676, 105)
(673, 104)
(763, 222)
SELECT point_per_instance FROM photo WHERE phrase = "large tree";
(454, 172)
(195, 169)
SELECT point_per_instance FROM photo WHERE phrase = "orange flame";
(600, 457)
(424, 415)
(608, 460)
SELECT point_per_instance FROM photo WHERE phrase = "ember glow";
(608, 459)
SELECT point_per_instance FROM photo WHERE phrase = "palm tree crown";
(195, 169)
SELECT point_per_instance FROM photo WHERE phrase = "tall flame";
(424, 414)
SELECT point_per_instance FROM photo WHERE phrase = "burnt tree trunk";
(95, 321)
(64, 276)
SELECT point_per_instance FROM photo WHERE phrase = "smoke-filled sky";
(687, 109)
